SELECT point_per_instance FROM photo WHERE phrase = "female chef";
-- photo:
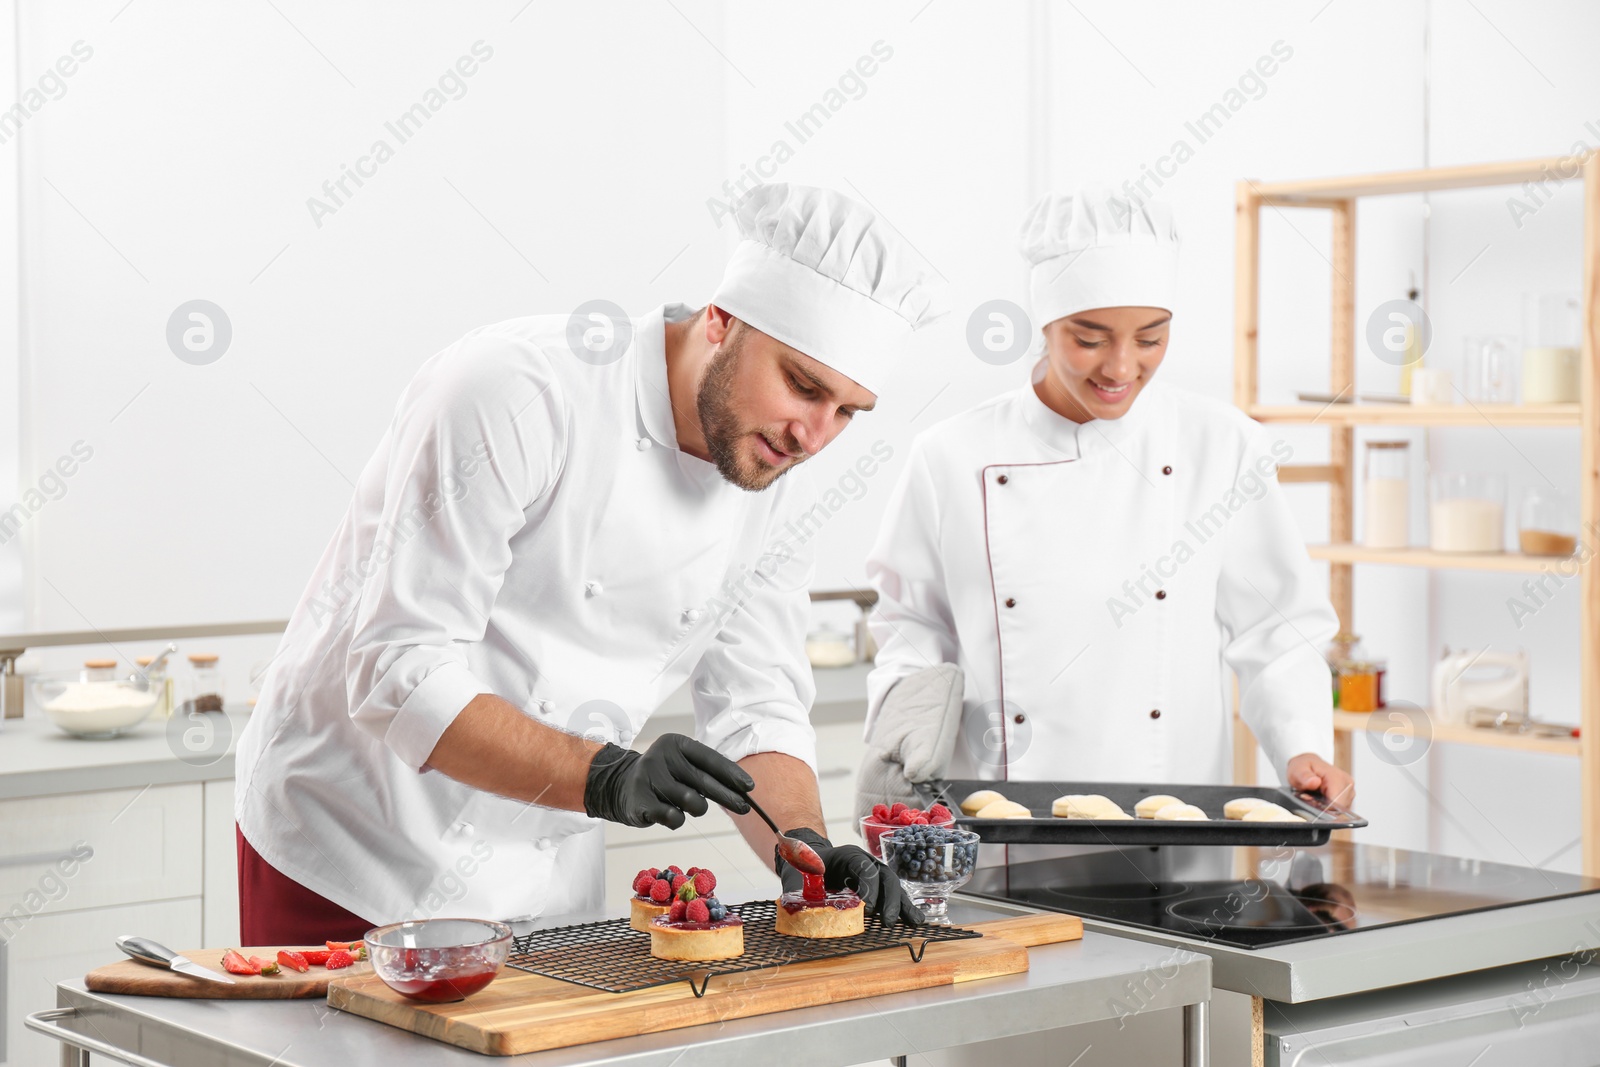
(1092, 548)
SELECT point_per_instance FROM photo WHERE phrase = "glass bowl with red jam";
(438, 960)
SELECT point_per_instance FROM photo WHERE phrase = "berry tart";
(815, 912)
(653, 891)
(696, 926)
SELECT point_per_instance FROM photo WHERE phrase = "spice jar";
(1344, 648)
(1547, 523)
(204, 689)
(99, 670)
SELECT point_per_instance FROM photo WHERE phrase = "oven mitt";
(912, 738)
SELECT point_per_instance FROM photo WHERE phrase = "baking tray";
(1322, 815)
(613, 956)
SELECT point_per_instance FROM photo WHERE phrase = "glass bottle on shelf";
(160, 684)
(203, 691)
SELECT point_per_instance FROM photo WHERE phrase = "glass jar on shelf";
(1344, 648)
(1547, 522)
(1361, 685)
(1386, 492)
(203, 691)
(1467, 512)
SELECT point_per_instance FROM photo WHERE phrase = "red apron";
(275, 910)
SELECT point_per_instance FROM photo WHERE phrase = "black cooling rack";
(613, 956)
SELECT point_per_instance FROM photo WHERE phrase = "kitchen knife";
(158, 955)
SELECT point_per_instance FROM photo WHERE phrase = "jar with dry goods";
(203, 689)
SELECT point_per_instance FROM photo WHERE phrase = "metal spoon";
(141, 675)
(795, 852)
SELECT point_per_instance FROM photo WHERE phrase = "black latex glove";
(676, 775)
(852, 867)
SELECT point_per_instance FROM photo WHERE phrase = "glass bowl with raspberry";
(886, 817)
(439, 960)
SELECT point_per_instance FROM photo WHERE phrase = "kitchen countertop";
(1097, 978)
(37, 759)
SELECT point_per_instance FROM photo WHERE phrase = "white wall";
(582, 161)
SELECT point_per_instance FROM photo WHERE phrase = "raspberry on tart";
(652, 896)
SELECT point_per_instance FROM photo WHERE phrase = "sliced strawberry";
(295, 961)
(234, 963)
(704, 883)
(317, 956)
(336, 945)
(339, 959)
(686, 891)
(264, 966)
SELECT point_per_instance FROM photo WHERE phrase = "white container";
(1467, 513)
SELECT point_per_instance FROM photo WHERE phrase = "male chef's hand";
(849, 866)
(1313, 774)
(676, 775)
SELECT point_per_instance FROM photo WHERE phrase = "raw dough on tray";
(979, 800)
(1147, 808)
(1086, 806)
(1271, 813)
(1239, 807)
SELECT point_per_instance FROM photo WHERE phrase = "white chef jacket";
(529, 528)
(1093, 580)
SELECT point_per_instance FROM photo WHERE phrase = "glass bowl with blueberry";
(931, 862)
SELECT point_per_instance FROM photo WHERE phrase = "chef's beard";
(723, 430)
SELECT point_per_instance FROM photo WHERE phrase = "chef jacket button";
(1166, 470)
(1161, 594)
(1011, 601)
(1002, 479)
(543, 844)
(643, 444)
(624, 738)
(547, 706)
(1155, 713)
(691, 615)
(593, 588)
(1019, 718)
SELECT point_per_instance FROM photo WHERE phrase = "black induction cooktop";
(1253, 897)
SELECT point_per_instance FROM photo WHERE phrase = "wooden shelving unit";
(1338, 196)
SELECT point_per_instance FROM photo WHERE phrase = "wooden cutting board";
(523, 1012)
(141, 979)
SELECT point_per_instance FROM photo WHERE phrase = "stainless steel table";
(1100, 977)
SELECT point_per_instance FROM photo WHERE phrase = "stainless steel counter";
(1100, 977)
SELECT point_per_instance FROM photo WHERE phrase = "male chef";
(549, 540)
(1065, 572)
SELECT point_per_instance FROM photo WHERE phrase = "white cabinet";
(220, 867)
(77, 870)
(51, 947)
(91, 850)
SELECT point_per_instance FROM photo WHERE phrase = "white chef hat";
(1092, 248)
(824, 275)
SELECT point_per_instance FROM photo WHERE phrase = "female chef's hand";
(674, 776)
(853, 867)
(1310, 772)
